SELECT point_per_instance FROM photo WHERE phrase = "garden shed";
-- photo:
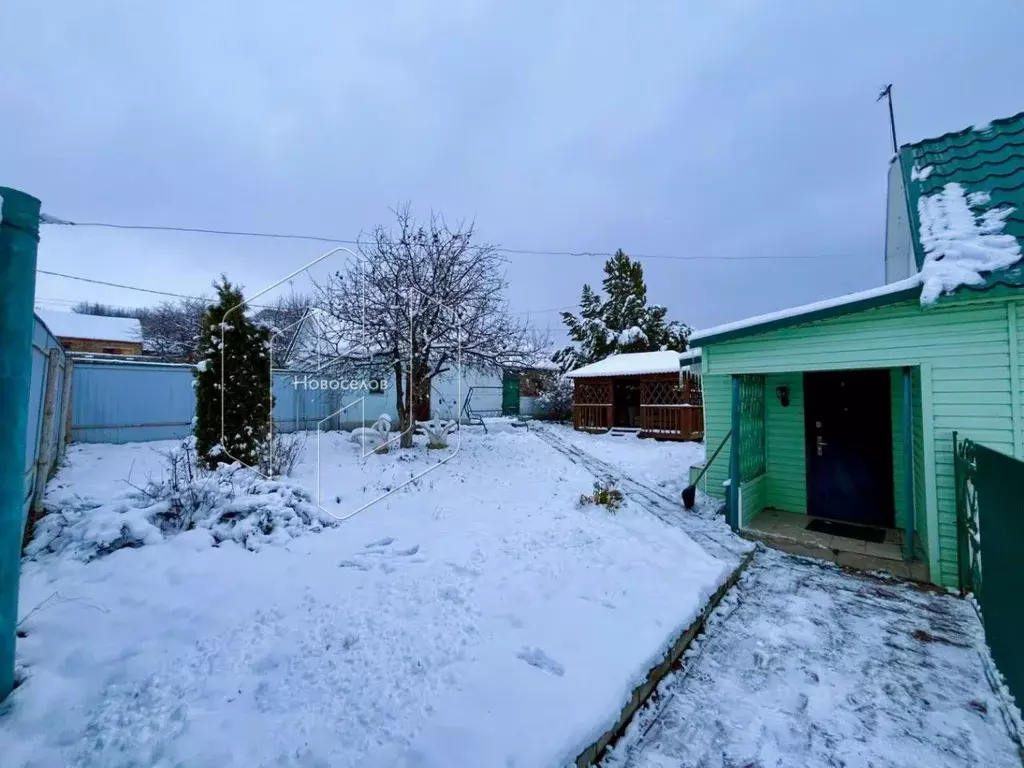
(844, 411)
(652, 393)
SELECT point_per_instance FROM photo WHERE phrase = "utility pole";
(887, 94)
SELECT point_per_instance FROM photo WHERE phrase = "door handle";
(820, 443)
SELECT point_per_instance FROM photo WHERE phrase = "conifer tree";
(623, 322)
(232, 423)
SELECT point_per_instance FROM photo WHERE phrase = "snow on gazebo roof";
(630, 364)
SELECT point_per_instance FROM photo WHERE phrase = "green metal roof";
(987, 158)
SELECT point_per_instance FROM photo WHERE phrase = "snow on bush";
(229, 503)
(556, 403)
(281, 454)
(960, 243)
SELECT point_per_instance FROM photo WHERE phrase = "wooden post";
(65, 408)
(611, 403)
(908, 464)
(47, 438)
(734, 457)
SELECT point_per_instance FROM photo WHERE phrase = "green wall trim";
(931, 485)
(826, 313)
(1015, 386)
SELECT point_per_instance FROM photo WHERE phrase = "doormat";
(847, 531)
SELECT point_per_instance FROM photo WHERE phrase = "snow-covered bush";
(229, 503)
(437, 431)
(281, 454)
(605, 493)
(556, 403)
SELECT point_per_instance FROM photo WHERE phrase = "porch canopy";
(649, 392)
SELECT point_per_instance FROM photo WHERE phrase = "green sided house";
(844, 410)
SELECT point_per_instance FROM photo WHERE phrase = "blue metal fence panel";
(132, 401)
(129, 402)
(42, 342)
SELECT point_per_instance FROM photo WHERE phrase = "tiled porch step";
(857, 560)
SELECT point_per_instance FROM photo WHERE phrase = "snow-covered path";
(803, 664)
(654, 474)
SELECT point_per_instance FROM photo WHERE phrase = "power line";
(201, 298)
(53, 220)
(119, 285)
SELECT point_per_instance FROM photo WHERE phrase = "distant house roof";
(630, 364)
(71, 325)
(965, 198)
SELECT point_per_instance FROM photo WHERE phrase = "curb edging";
(660, 671)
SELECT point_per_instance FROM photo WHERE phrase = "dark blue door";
(848, 426)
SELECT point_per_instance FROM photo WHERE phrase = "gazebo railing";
(681, 421)
(592, 416)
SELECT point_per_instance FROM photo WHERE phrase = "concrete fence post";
(19, 240)
(47, 437)
(65, 408)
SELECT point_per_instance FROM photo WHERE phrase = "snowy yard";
(477, 617)
(805, 665)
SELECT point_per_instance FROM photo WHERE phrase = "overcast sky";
(720, 129)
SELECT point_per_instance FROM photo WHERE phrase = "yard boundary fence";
(49, 402)
(990, 535)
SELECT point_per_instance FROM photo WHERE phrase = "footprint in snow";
(535, 657)
(353, 564)
(381, 542)
(407, 552)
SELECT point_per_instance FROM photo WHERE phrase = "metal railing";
(990, 537)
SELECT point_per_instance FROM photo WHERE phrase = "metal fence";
(47, 414)
(990, 527)
(121, 401)
(132, 401)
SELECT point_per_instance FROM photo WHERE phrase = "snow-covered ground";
(476, 617)
(805, 665)
(662, 464)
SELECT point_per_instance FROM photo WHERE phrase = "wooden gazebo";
(653, 393)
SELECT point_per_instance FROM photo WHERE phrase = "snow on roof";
(630, 364)
(960, 243)
(71, 325)
(693, 353)
(791, 312)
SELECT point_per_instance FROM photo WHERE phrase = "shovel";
(690, 491)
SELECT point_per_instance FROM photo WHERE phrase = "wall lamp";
(783, 394)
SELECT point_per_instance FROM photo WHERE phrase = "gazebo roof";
(630, 364)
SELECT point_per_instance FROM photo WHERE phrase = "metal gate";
(752, 438)
(510, 394)
(990, 533)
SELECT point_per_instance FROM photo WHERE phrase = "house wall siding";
(717, 423)
(966, 343)
(786, 457)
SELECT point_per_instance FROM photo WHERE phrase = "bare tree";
(283, 317)
(422, 298)
(171, 330)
